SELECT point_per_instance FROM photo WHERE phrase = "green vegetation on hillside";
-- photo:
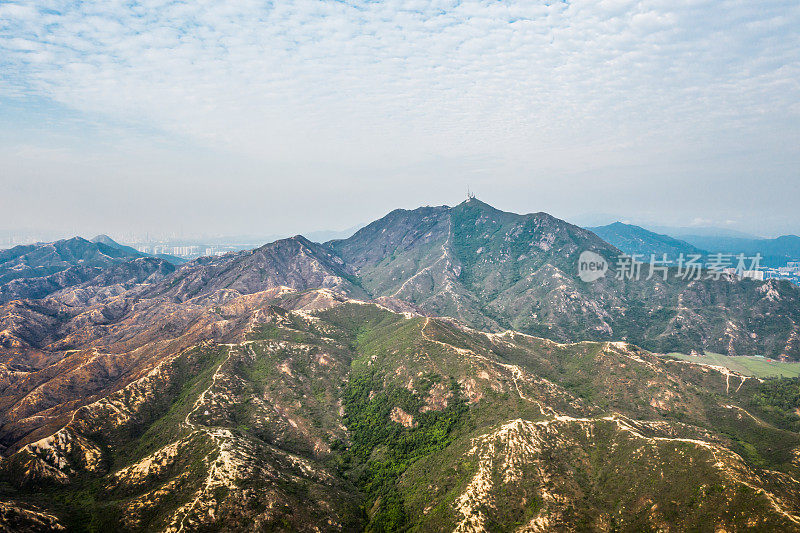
(87, 504)
(780, 400)
(370, 420)
(386, 448)
(497, 270)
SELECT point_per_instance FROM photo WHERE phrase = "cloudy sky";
(201, 117)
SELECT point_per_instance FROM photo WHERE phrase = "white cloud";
(560, 85)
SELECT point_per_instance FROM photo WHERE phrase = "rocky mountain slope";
(496, 270)
(307, 411)
(38, 270)
(77, 343)
(295, 262)
(321, 387)
(39, 260)
(80, 279)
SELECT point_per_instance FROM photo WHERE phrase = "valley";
(335, 407)
(442, 369)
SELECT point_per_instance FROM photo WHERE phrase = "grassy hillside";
(353, 417)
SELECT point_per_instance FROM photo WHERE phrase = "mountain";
(421, 374)
(146, 302)
(295, 262)
(776, 252)
(125, 274)
(632, 240)
(108, 241)
(37, 271)
(674, 240)
(495, 270)
(39, 260)
(295, 410)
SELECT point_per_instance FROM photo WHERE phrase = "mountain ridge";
(318, 411)
(395, 380)
(633, 239)
(496, 270)
(500, 270)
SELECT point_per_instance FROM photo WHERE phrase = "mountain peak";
(71, 240)
(473, 201)
(105, 239)
(633, 239)
(285, 242)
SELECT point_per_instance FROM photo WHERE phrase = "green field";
(759, 367)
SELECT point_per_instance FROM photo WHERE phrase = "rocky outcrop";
(307, 406)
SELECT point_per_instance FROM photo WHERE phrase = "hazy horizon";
(248, 119)
(697, 227)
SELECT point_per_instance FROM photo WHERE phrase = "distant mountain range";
(776, 252)
(422, 374)
(496, 270)
(636, 240)
(38, 270)
(108, 241)
(38, 260)
(703, 231)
